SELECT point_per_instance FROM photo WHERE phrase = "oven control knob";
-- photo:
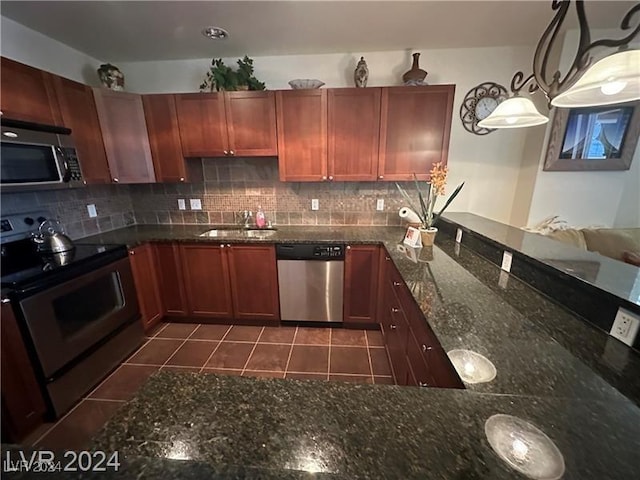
(29, 221)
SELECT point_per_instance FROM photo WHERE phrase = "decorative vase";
(416, 75)
(111, 77)
(361, 74)
(428, 235)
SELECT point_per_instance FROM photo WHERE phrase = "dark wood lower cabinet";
(361, 283)
(145, 276)
(206, 279)
(23, 407)
(254, 282)
(170, 279)
(417, 358)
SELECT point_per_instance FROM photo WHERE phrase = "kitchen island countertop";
(553, 370)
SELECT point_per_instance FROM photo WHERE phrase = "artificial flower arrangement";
(428, 195)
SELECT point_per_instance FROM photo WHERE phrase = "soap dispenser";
(260, 218)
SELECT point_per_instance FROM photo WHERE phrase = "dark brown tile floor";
(300, 353)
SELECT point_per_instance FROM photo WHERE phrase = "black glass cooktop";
(22, 264)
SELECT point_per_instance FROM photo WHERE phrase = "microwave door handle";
(66, 174)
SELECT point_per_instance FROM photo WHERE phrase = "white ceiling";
(152, 30)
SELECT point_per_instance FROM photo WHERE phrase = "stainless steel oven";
(37, 157)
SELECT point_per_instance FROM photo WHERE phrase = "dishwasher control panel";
(308, 251)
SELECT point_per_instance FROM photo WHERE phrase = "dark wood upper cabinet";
(145, 276)
(414, 130)
(201, 120)
(361, 283)
(302, 135)
(79, 113)
(353, 133)
(23, 407)
(206, 278)
(164, 138)
(251, 123)
(170, 279)
(27, 93)
(254, 282)
(124, 132)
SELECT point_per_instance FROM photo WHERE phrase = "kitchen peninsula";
(190, 424)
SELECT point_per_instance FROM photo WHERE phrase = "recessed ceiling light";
(215, 33)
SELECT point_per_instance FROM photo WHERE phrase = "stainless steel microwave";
(37, 157)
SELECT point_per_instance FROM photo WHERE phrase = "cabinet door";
(302, 135)
(124, 131)
(414, 130)
(23, 407)
(170, 279)
(251, 123)
(143, 266)
(395, 330)
(361, 283)
(254, 282)
(206, 278)
(164, 138)
(27, 93)
(202, 124)
(354, 132)
(79, 113)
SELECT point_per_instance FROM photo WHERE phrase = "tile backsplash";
(113, 204)
(235, 184)
(229, 186)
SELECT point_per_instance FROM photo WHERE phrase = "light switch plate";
(196, 204)
(182, 205)
(380, 204)
(458, 235)
(91, 208)
(315, 204)
(625, 326)
(507, 257)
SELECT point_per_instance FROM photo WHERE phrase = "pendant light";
(612, 80)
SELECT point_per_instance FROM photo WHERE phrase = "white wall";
(609, 199)
(28, 46)
(489, 164)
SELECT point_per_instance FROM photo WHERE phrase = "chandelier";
(612, 80)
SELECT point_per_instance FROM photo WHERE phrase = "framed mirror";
(597, 138)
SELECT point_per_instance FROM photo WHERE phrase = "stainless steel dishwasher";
(311, 282)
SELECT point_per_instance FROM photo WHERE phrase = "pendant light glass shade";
(614, 79)
(515, 112)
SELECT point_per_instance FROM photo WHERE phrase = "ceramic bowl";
(305, 83)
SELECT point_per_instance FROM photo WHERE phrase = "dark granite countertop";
(553, 370)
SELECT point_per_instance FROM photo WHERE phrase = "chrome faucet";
(245, 218)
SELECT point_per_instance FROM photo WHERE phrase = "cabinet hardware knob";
(131, 252)
(395, 310)
(84, 182)
(396, 284)
(324, 177)
(116, 180)
(381, 176)
(387, 258)
(228, 245)
(348, 247)
(425, 384)
(6, 300)
(392, 327)
(226, 152)
(330, 177)
(231, 152)
(182, 179)
(425, 348)
(222, 245)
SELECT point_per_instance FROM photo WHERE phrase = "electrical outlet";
(195, 203)
(625, 326)
(315, 204)
(458, 235)
(92, 211)
(182, 205)
(380, 204)
(507, 257)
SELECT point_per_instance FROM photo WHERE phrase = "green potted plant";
(223, 78)
(427, 197)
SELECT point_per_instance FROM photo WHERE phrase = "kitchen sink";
(224, 232)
